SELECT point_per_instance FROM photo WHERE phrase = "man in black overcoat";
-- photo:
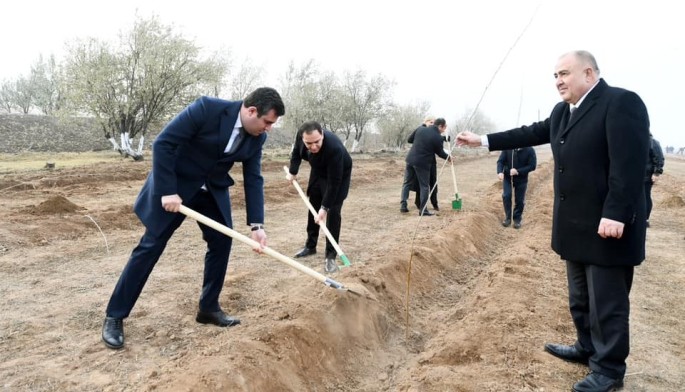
(600, 140)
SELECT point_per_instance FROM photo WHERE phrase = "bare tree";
(46, 80)
(146, 78)
(7, 92)
(24, 94)
(299, 91)
(400, 121)
(246, 79)
(365, 100)
(476, 122)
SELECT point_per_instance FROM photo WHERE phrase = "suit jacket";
(189, 153)
(525, 161)
(599, 160)
(331, 167)
(655, 160)
(427, 143)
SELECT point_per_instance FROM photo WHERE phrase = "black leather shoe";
(517, 225)
(567, 353)
(506, 222)
(596, 382)
(113, 332)
(403, 207)
(217, 318)
(426, 213)
(330, 266)
(306, 252)
(436, 208)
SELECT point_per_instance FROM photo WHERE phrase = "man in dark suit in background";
(513, 167)
(190, 163)
(329, 184)
(654, 168)
(426, 144)
(600, 140)
(428, 121)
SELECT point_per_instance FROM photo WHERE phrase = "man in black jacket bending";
(427, 143)
(329, 184)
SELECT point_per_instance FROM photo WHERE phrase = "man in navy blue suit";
(513, 167)
(191, 159)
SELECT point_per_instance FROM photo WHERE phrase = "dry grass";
(30, 161)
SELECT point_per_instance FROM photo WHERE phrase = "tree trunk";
(115, 145)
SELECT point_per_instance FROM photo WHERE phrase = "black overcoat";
(599, 163)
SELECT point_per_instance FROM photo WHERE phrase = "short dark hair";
(439, 122)
(265, 99)
(308, 127)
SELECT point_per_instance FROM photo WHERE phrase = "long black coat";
(599, 163)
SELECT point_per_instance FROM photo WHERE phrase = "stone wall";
(29, 132)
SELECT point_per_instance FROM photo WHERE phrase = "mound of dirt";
(673, 201)
(453, 302)
(55, 205)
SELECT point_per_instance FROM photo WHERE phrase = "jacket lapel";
(587, 105)
(228, 119)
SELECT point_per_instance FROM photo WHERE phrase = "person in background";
(428, 121)
(421, 157)
(600, 140)
(513, 167)
(191, 160)
(655, 167)
(329, 184)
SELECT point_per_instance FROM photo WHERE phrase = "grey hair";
(587, 58)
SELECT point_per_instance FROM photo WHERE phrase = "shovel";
(456, 203)
(255, 245)
(328, 234)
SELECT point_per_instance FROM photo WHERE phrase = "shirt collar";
(583, 97)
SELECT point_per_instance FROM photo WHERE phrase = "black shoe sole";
(203, 320)
(114, 347)
(299, 255)
(615, 387)
(579, 361)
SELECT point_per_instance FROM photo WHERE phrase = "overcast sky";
(443, 52)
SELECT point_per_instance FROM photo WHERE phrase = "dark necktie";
(573, 111)
(236, 141)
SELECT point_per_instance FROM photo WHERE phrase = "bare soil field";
(459, 303)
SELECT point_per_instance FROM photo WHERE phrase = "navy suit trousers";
(519, 198)
(150, 248)
(333, 219)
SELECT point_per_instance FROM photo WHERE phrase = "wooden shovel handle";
(255, 245)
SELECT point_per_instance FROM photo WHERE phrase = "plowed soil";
(454, 302)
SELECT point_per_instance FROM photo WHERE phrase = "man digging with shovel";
(192, 157)
(329, 184)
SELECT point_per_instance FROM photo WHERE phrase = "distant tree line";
(152, 72)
